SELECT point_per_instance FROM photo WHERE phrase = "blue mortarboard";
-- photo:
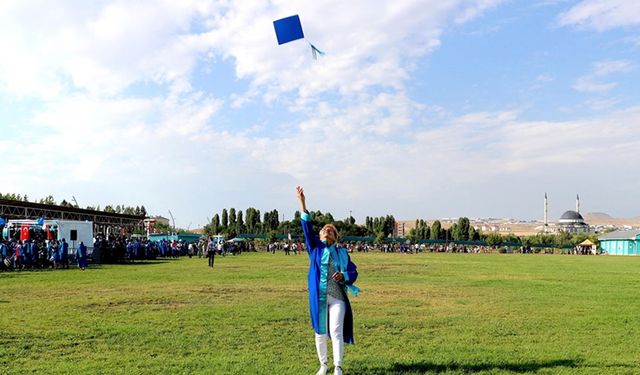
(288, 29)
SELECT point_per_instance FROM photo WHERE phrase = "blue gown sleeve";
(311, 239)
(351, 274)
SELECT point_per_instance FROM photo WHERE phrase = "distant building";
(572, 222)
(622, 242)
(151, 222)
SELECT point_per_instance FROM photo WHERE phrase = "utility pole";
(173, 220)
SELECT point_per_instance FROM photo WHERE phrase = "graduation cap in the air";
(289, 29)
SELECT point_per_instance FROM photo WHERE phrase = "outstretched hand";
(301, 198)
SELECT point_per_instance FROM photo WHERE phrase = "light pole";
(173, 220)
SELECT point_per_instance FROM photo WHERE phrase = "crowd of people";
(32, 254)
(41, 253)
(119, 249)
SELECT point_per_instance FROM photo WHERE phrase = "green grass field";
(426, 313)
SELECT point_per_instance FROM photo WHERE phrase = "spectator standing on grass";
(81, 256)
(190, 251)
(63, 257)
(4, 252)
(55, 256)
(211, 253)
(331, 274)
(19, 255)
(27, 257)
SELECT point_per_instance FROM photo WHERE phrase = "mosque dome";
(571, 216)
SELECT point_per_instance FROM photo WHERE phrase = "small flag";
(24, 232)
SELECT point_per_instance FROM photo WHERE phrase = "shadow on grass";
(436, 368)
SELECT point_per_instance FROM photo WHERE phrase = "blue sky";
(420, 109)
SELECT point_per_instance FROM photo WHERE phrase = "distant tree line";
(231, 222)
(462, 230)
(49, 200)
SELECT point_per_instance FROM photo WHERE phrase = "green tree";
(379, 237)
(562, 239)
(436, 229)
(461, 232)
(494, 239)
(473, 234)
(421, 231)
(215, 224)
(48, 200)
(240, 222)
(225, 219)
(232, 218)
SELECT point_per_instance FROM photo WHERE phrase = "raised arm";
(311, 239)
(301, 198)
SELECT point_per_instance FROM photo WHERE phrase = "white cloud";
(602, 15)
(103, 47)
(120, 118)
(592, 82)
(368, 44)
(586, 84)
(601, 104)
(604, 68)
(544, 78)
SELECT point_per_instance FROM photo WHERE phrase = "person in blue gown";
(63, 256)
(81, 256)
(331, 275)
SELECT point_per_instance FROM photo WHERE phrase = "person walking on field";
(331, 274)
(211, 252)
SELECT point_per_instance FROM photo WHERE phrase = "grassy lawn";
(426, 313)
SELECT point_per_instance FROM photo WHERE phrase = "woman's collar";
(329, 246)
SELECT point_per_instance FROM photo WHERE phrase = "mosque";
(570, 221)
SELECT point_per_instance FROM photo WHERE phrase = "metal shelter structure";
(103, 222)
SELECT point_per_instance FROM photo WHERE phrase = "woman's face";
(328, 235)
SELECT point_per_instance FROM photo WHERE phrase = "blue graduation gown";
(318, 277)
(63, 248)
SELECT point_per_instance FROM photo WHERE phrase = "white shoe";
(337, 370)
(323, 370)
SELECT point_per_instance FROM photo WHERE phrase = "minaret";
(577, 203)
(545, 212)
